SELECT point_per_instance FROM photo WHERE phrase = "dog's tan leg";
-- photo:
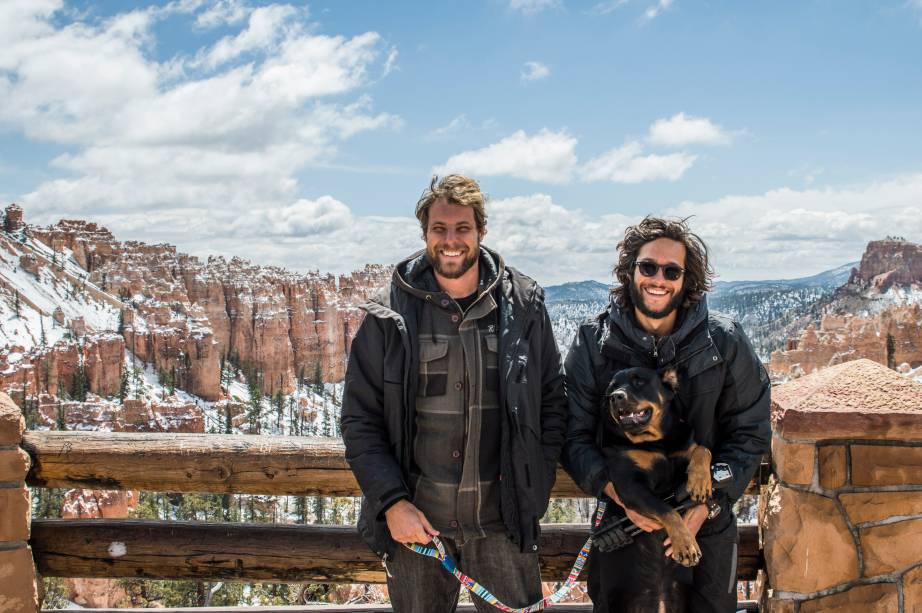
(699, 473)
(685, 549)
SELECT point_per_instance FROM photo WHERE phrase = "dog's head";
(638, 399)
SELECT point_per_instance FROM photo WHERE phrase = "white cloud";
(534, 71)
(787, 233)
(626, 164)
(531, 7)
(547, 156)
(461, 124)
(222, 12)
(303, 218)
(551, 242)
(656, 10)
(267, 25)
(609, 6)
(227, 134)
(681, 130)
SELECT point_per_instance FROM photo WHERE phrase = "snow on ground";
(47, 293)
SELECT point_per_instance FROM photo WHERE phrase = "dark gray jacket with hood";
(723, 390)
(378, 417)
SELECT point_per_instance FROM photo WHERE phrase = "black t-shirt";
(467, 301)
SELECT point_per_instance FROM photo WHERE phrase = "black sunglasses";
(671, 272)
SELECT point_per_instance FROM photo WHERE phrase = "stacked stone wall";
(841, 521)
(18, 578)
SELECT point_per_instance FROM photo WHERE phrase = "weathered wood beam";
(581, 607)
(259, 552)
(749, 606)
(217, 463)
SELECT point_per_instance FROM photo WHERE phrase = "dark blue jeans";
(421, 585)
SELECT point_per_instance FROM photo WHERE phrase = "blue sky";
(302, 134)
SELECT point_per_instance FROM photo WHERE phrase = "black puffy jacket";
(723, 390)
(378, 412)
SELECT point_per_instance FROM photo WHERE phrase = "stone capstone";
(808, 546)
(886, 465)
(891, 547)
(832, 466)
(859, 399)
(873, 598)
(864, 507)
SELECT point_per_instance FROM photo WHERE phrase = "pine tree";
(293, 417)
(42, 339)
(279, 410)
(61, 417)
(16, 304)
(123, 386)
(891, 352)
(46, 375)
(137, 382)
(318, 378)
(254, 384)
(80, 385)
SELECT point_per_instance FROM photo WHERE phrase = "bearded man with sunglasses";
(658, 318)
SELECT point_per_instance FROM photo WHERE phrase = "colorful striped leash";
(448, 563)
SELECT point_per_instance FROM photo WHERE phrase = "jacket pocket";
(433, 368)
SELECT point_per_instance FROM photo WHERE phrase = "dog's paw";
(686, 552)
(699, 485)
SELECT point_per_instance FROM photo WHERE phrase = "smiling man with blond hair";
(454, 412)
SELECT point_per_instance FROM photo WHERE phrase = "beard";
(452, 271)
(637, 298)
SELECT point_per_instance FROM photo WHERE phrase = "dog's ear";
(671, 379)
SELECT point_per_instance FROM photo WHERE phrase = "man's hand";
(408, 524)
(641, 521)
(694, 519)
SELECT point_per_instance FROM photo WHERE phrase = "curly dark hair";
(698, 272)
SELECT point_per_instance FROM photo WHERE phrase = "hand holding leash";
(407, 524)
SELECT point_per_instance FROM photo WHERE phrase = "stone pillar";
(841, 521)
(18, 578)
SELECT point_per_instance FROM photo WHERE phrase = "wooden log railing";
(271, 465)
(213, 463)
(260, 552)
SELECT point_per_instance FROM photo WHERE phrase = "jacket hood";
(415, 275)
(622, 320)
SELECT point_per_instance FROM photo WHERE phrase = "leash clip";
(387, 571)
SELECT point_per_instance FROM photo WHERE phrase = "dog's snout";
(619, 395)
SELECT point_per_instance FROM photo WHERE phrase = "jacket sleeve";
(743, 427)
(581, 456)
(553, 400)
(364, 423)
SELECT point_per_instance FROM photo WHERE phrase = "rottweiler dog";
(652, 452)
